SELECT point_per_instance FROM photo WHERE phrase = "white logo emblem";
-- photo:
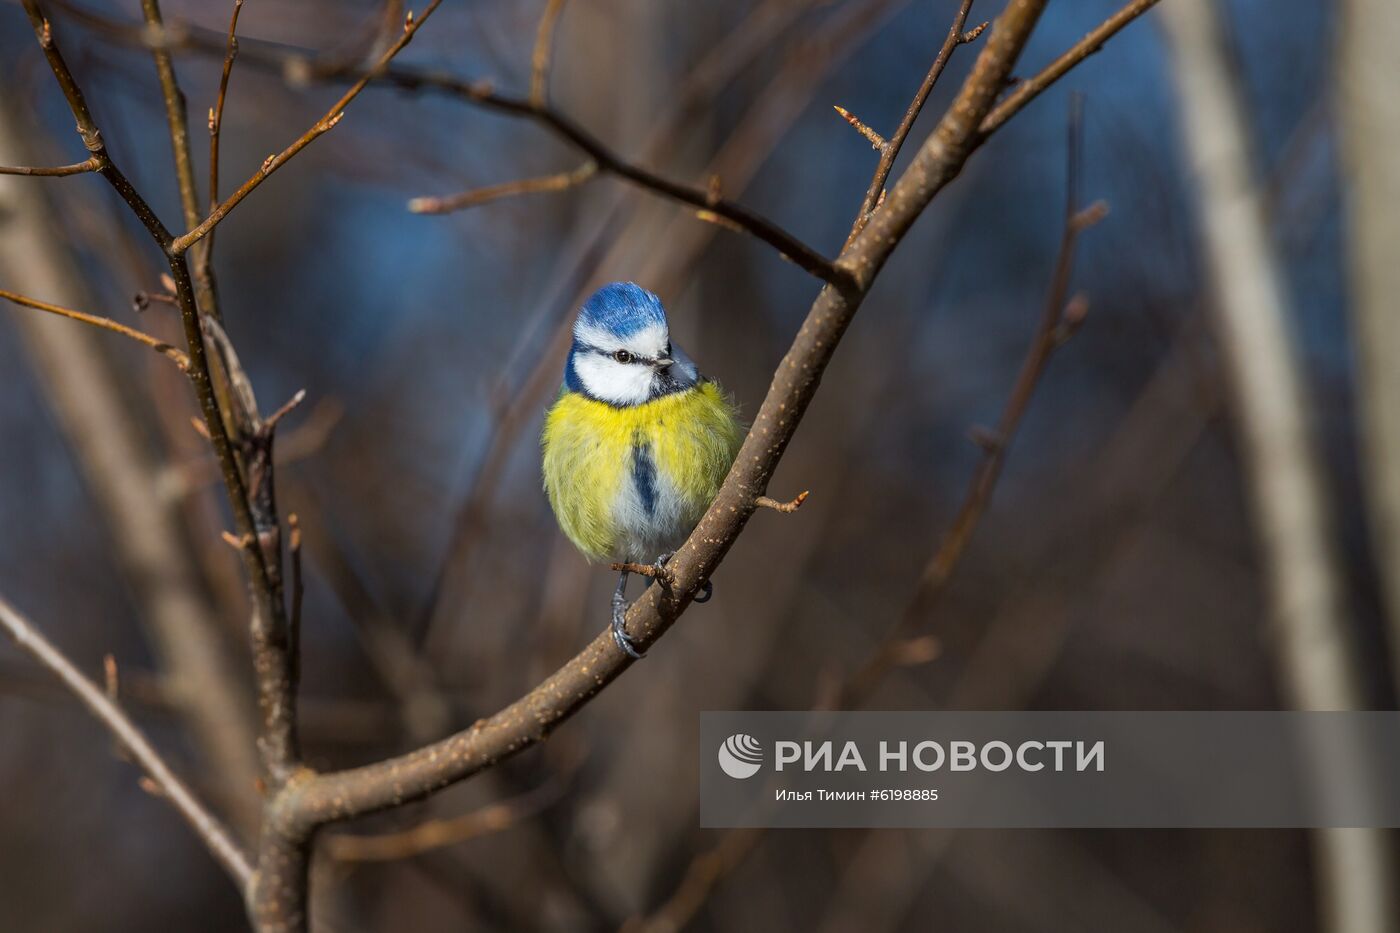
(740, 756)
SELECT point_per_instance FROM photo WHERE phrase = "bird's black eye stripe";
(622, 356)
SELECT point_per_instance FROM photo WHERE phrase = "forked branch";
(322, 126)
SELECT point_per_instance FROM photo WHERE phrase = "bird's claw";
(619, 629)
(626, 643)
(707, 589)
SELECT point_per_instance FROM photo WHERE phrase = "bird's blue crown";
(622, 309)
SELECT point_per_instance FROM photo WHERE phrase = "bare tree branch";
(1031, 88)
(52, 171)
(160, 346)
(483, 94)
(176, 118)
(478, 196)
(216, 113)
(213, 833)
(889, 151)
(332, 116)
(204, 256)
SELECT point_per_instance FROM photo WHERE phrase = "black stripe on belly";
(644, 474)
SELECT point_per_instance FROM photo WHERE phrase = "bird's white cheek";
(611, 381)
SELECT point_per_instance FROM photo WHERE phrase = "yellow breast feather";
(690, 439)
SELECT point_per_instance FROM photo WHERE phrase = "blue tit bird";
(638, 442)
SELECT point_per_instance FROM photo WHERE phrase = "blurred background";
(1121, 564)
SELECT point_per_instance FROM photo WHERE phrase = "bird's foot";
(619, 628)
(707, 589)
(658, 566)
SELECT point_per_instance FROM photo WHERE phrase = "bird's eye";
(622, 356)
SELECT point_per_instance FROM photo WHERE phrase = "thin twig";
(216, 121)
(156, 344)
(91, 164)
(332, 116)
(177, 123)
(543, 55)
(707, 206)
(478, 196)
(788, 508)
(877, 142)
(214, 834)
(175, 117)
(1028, 90)
(298, 592)
(645, 570)
(890, 150)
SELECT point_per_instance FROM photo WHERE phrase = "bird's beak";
(663, 362)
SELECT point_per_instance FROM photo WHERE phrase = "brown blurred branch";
(1060, 317)
(1319, 658)
(559, 181)
(332, 116)
(160, 346)
(543, 54)
(210, 830)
